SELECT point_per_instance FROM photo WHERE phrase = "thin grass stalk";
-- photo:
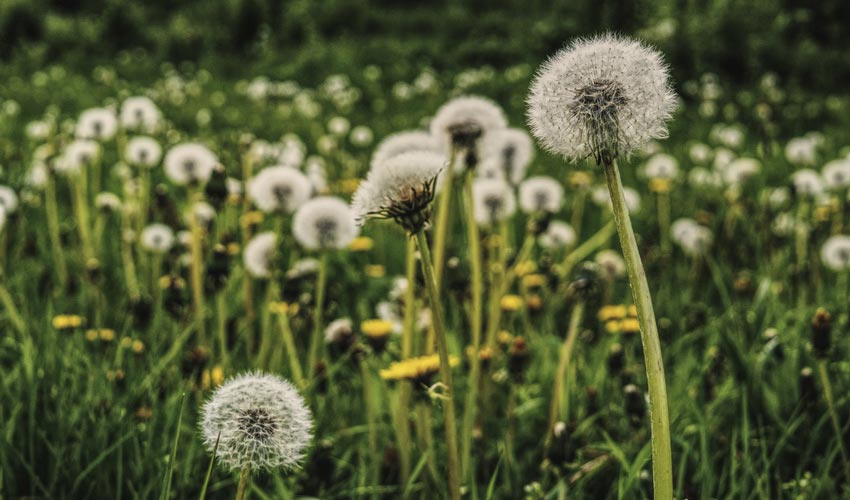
(663, 205)
(197, 270)
(371, 420)
(558, 389)
(11, 309)
(577, 217)
(52, 214)
(476, 313)
(662, 460)
(130, 276)
(588, 247)
(405, 388)
(247, 285)
(81, 207)
(316, 343)
(833, 415)
(441, 225)
(221, 328)
(291, 352)
(445, 367)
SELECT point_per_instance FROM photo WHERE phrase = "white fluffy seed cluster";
(466, 114)
(139, 113)
(279, 189)
(405, 142)
(189, 163)
(493, 201)
(557, 235)
(96, 124)
(157, 238)
(540, 194)
(600, 97)
(324, 223)
(257, 420)
(143, 151)
(259, 254)
(835, 253)
(506, 153)
(693, 238)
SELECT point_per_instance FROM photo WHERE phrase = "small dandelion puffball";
(540, 194)
(324, 223)
(493, 201)
(602, 197)
(78, 154)
(279, 189)
(835, 253)
(189, 163)
(259, 254)
(463, 120)
(680, 227)
(703, 178)
(661, 166)
(611, 262)
(97, 124)
(740, 170)
(259, 421)
(143, 151)
(405, 142)
(141, 114)
(694, 239)
(338, 330)
(400, 188)
(203, 212)
(601, 97)
(107, 202)
(558, 235)
(8, 199)
(157, 238)
(807, 182)
(510, 150)
(700, 153)
(801, 151)
(836, 174)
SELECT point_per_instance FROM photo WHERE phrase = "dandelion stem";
(563, 363)
(248, 289)
(662, 461)
(474, 242)
(221, 316)
(663, 201)
(82, 209)
(445, 367)
(291, 352)
(243, 482)
(197, 267)
(53, 228)
(588, 247)
(11, 309)
(316, 340)
(833, 416)
(405, 389)
(441, 225)
(371, 421)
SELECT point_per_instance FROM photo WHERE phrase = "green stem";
(663, 201)
(558, 392)
(316, 339)
(82, 209)
(445, 367)
(243, 482)
(441, 225)
(471, 402)
(405, 389)
(833, 416)
(53, 228)
(221, 316)
(11, 309)
(371, 421)
(662, 460)
(289, 344)
(588, 247)
(197, 267)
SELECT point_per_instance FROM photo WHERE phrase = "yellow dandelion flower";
(67, 321)
(613, 326)
(210, 379)
(251, 218)
(610, 312)
(580, 179)
(106, 334)
(91, 335)
(376, 328)
(533, 280)
(281, 308)
(823, 213)
(375, 271)
(349, 186)
(233, 248)
(361, 244)
(526, 267)
(138, 346)
(415, 368)
(534, 302)
(484, 353)
(167, 280)
(126, 342)
(630, 325)
(510, 303)
(660, 186)
(505, 337)
(632, 311)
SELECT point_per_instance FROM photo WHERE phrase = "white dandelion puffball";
(836, 174)
(463, 120)
(602, 197)
(259, 254)
(257, 420)
(784, 224)
(740, 170)
(140, 113)
(203, 212)
(801, 151)
(2, 217)
(681, 226)
(157, 238)
(361, 136)
(279, 189)
(78, 154)
(611, 262)
(96, 124)
(189, 163)
(511, 150)
(8, 199)
(807, 182)
(693, 238)
(661, 166)
(324, 223)
(493, 201)
(601, 97)
(338, 329)
(540, 194)
(703, 178)
(143, 151)
(106, 201)
(722, 158)
(405, 142)
(37, 130)
(835, 253)
(38, 175)
(558, 235)
(400, 188)
(700, 153)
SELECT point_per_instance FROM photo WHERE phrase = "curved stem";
(316, 340)
(588, 247)
(53, 230)
(662, 460)
(827, 392)
(405, 389)
(445, 367)
(563, 364)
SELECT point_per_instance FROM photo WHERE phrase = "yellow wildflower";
(525, 267)
(580, 179)
(610, 312)
(280, 307)
(251, 218)
(138, 346)
(415, 368)
(233, 248)
(613, 326)
(510, 303)
(660, 185)
(376, 328)
(361, 244)
(533, 280)
(630, 325)
(375, 271)
(67, 321)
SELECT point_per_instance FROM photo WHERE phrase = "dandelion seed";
(602, 97)
(96, 124)
(140, 113)
(540, 194)
(279, 189)
(493, 201)
(257, 420)
(189, 163)
(157, 238)
(801, 151)
(143, 151)
(77, 155)
(324, 223)
(259, 254)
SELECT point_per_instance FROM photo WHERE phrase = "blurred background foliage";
(803, 41)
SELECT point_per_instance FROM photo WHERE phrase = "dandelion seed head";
(141, 114)
(96, 124)
(602, 197)
(279, 189)
(324, 223)
(462, 121)
(259, 254)
(693, 238)
(405, 142)
(8, 199)
(493, 201)
(557, 235)
(189, 163)
(801, 151)
(108, 202)
(143, 151)
(740, 170)
(661, 166)
(77, 154)
(510, 150)
(703, 178)
(157, 238)
(611, 262)
(807, 182)
(601, 97)
(540, 194)
(836, 174)
(835, 253)
(258, 420)
(338, 330)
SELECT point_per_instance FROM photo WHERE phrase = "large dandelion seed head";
(405, 142)
(143, 151)
(8, 199)
(401, 188)
(189, 163)
(602, 97)
(836, 174)
(259, 254)
(462, 121)
(835, 253)
(279, 189)
(540, 194)
(96, 124)
(141, 114)
(157, 238)
(258, 420)
(324, 223)
(493, 201)
(510, 150)
(78, 154)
